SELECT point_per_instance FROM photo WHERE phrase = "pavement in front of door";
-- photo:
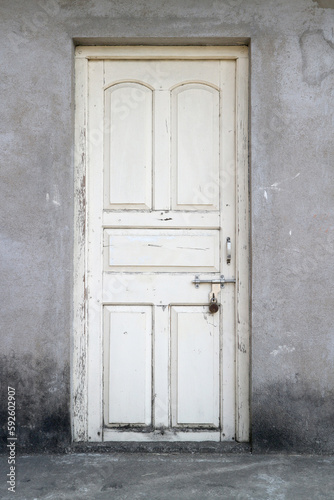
(173, 476)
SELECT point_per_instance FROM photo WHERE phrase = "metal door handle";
(228, 250)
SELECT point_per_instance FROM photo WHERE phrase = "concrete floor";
(173, 476)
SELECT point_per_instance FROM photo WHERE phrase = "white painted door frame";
(80, 379)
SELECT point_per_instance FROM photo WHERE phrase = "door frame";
(79, 355)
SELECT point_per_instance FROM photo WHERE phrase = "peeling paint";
(56, 196)
(317, 56)
(193, 248)
(275, 185)
(282, 349)
(325, 4)
(242, 347)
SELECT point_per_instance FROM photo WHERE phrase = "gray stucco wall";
(292, 194)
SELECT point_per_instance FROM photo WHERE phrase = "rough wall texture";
(292, 191)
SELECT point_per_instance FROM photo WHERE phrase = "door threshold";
(162, 447)
(176, 435)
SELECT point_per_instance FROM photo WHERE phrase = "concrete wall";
(292, 193)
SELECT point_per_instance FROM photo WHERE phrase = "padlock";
(213, 306)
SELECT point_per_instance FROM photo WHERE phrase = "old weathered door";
(161, 198)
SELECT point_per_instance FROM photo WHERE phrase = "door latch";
(216, 285)
(219, 281)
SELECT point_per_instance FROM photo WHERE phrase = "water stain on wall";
(42, 402)
(291, 416)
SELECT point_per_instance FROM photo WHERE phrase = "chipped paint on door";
(166, 165)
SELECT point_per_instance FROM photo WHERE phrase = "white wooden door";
(161, 144)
